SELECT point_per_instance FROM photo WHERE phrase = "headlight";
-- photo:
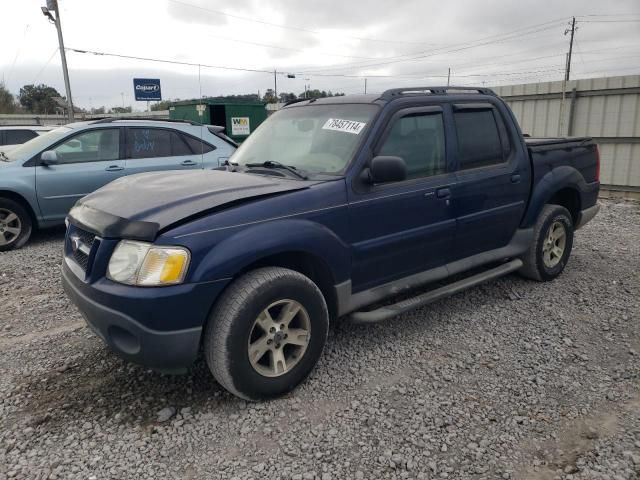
(143, 264)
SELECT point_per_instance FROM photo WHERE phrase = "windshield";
(312, 138)
(35, 145)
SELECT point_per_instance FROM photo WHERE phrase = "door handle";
(188, 163)
(515, 178)
(443, 193)
(114, 168)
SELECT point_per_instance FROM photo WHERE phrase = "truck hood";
(139, 206)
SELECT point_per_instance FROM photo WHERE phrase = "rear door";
(405, 227)
(86, 161)
(492, 184)
(151, 149)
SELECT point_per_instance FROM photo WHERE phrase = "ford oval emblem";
(75, 243)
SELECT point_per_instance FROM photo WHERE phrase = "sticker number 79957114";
(347, 126)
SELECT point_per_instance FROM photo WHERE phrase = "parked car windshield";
(310, 138)
(35, 145)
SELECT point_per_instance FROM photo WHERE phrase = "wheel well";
(22, 201)
(569, 199)
(310, 266)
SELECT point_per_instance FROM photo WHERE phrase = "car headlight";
(148, 265)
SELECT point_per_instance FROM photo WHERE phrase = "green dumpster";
(238, 119)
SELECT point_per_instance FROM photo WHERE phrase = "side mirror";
(50, 157)
(386, 169)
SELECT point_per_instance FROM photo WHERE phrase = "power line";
(160, 60)
(610, 15)
(177, 62)
(611, 21)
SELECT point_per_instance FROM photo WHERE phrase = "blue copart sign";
(147, 89)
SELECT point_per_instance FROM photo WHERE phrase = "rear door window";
(162, 142)
(148, 142)
(16, 137)
(479, 143)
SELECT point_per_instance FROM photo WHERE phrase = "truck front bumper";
(121, 316)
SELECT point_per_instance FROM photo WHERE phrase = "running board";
(390, 311)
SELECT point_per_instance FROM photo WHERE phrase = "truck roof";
(394, 93)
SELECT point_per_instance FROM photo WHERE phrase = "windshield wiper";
(272, 164)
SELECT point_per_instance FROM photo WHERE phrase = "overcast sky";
(331, 45)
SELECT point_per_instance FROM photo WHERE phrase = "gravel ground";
(513, 379)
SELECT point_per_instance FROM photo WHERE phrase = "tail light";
(597, 164)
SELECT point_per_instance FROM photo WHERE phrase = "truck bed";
(550, 153)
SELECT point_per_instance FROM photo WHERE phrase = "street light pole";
(53, 5)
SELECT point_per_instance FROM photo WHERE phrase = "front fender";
(254, 243)
(551, 183)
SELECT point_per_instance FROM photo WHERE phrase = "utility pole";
(275, 84)
(573, 31)
(53, 5)
(449, 77)
(365, 86)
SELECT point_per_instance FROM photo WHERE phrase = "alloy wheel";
(554, 244)
(279, 338)
(10, 227)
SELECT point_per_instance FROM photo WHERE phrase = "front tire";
(552, 244)
(15, 225)
(266, 333)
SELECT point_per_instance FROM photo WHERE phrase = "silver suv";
(42, 179)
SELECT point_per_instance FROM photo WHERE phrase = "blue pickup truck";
(330, 209)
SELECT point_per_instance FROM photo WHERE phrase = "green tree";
(39, 98)
(269, 96)
(286, 97)
(7, 102)
(120, 110)
(320, 94)
(162, 105)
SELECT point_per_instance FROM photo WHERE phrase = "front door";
(86, 162)
(493, 181)
(405, 227)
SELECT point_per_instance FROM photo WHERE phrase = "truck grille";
(80, 245)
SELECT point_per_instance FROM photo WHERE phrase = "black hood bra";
(139, 206)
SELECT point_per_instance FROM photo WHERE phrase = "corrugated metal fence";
(607, 109)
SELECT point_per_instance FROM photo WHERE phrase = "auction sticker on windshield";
(348, 126)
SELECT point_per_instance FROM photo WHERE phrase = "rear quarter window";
(197, 145)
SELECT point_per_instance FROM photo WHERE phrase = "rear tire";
(266, 333)
(15, 225)
(552, 244)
